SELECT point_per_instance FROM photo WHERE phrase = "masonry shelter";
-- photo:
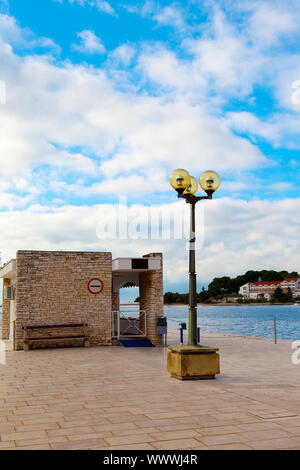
(65, 296)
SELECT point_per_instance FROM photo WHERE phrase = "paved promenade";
(118, 398)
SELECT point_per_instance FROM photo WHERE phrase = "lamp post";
(186, 187)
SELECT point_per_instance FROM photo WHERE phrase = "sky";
(101, 100)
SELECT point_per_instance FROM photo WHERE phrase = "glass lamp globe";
(179, 180)
(209, 182)
(192, 188)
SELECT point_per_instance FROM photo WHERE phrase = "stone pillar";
(152, 298)
(116, 301)
(5, 324)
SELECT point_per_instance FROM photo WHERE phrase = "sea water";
(248, 320)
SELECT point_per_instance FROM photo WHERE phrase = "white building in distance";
(265, 289)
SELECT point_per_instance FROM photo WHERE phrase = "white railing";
(128, 323)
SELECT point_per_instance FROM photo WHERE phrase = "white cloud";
(281, 129)
(181, 130)
(170, 15)
(73, 121)
(101, 5)
(12, 34)
(270, 20)
(238, 235)
(123, 54)
(104, 7)
(89, 43)
(220, 63)
(281, 186)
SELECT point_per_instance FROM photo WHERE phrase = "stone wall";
(5, 320)
(152, 298)
(52, 288)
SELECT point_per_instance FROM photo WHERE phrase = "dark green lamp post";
(186, 187)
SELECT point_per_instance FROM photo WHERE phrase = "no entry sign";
(95, 286)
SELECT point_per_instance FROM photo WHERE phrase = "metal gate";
(129, 324)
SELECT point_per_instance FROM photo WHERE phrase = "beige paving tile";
(35, 447)
(169, 435)
(7, 428)
(259, 426)
(35, 427)
(14, 436)
(222, 439)
(80, 445)
(149, 423)
(218, 430)
(132, 439)
(236, 446)
(133, 447)
(270, 434)
(7, 445)
(170, 414)
(69, 431)
(127, 432)
(40, 441)
(273, 444)
(91, 435)
(116, 427)
(293, 431)
(175, 444)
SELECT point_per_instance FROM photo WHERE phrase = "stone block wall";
(152, 297)
(5, 320)
(52, 287)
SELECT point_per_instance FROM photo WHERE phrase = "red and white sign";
(95, 286)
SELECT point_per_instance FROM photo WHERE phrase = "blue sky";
(106, 98)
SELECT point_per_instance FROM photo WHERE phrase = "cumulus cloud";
(101, 5)
(279, 128)
(89, 43)
(13, 35)
(105, 7)
(72, 119)
(123, 54)
(172, 15)
(237, 235)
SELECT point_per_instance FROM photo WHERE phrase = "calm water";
(249, 320)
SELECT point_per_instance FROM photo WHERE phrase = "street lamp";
(186, 187)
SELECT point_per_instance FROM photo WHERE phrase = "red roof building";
(265, 289)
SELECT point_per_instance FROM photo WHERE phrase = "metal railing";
(125, 325)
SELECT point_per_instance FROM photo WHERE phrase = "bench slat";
(63, 325)
(55, 337)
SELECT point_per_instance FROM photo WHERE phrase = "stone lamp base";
(193, 362)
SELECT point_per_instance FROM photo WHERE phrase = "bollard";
(275, 331)
(198, 335)
(181, 336)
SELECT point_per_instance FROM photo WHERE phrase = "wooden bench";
(82, 335)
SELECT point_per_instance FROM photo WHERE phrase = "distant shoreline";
(233, 304)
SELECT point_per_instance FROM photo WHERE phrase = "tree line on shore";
(226, 287)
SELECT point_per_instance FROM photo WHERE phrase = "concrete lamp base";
(193, 362)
